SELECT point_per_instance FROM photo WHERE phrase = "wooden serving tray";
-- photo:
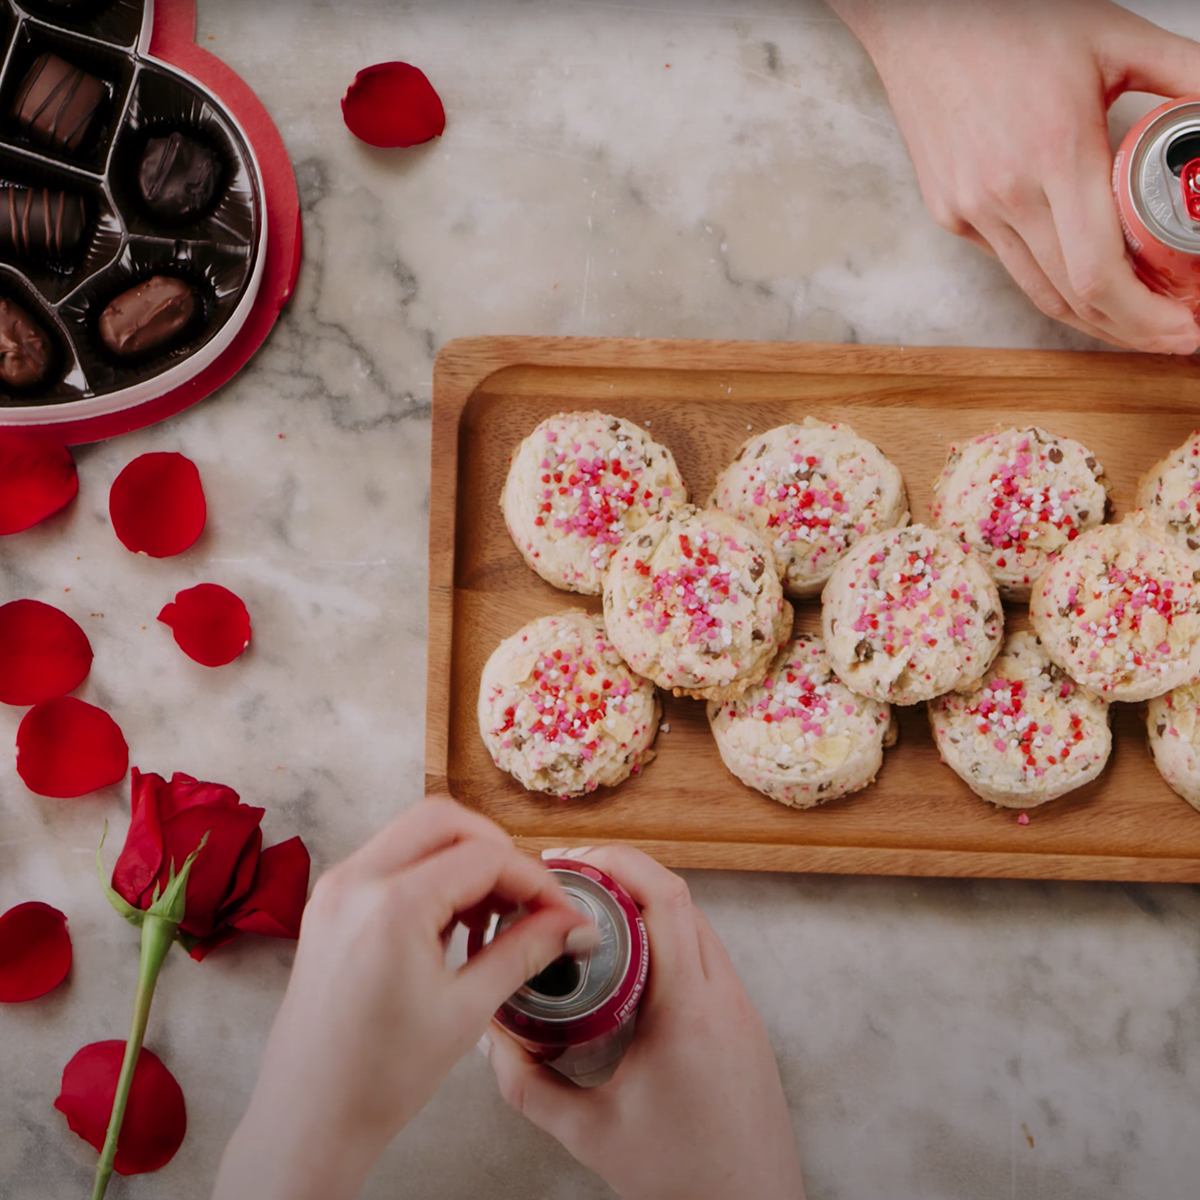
(702, 399)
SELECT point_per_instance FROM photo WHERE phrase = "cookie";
(561, 712)
(577, 486)
(1119, 611)
(1026, 732)
(801, 736)
(1170, 494)
(693, 602)
(1016, 498)
(812, 491)
(909, 614)
(1173, 729)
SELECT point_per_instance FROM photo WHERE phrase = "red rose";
(235, 886)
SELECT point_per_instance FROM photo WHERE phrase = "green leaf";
(134, 916)
(172, 904)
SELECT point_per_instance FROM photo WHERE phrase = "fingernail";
(575, 852)
(557, 852)
(583, 939)
(484, 1046)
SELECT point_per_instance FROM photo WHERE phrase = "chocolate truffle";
(178, 177)
(24, 348)
(40, 224)
(58, 103)
(147, 316)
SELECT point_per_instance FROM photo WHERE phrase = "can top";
(1160, 178)
(576, 986)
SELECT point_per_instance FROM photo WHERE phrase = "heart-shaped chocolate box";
(121, 179)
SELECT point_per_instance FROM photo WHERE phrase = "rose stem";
(157, 936)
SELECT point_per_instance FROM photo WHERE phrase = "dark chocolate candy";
(178, 176)
(24, 348)
(147, 316)
(40, 224)
(58, 103)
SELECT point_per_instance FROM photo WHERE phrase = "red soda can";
(1156, 178)
(578, 1015)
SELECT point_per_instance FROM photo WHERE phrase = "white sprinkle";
(665, 727)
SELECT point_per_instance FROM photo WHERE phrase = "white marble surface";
(938, 1040)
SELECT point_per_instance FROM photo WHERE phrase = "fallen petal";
(35, 951)
(393, 104)
(211, 625)
(155, 1117)
(157, 505)
(37, 478)
(68, 748)
(43, 653)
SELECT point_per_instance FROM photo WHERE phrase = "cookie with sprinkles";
(1017, 497)
(561, 712)
(1173, 729)
(693, 602)
(577, 486)
(1119, 611)
(1170, 494)
(909, 614)
(801, 736)
(812, 491)
(1026, 732)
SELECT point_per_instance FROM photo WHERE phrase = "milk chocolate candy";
(41, 224)
(58, 103)
(178, 177)
(24, 348)
(147, 317)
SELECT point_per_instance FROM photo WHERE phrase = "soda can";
(578, 1015)
(1156, 178)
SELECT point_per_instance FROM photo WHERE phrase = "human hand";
(695, 1109)
(1003, 106)
(373, 1018)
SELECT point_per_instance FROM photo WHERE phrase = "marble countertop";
(687, 168)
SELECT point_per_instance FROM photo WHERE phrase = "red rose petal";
(43, 653)
(66, 748)
(35, 951)
(211, 625)
(36, 479)
(275, 904)
(157, 505)
(393, 104)
(155, 1118)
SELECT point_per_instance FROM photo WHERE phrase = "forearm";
(269, 1162)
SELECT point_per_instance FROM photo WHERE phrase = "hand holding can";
(695, 1107)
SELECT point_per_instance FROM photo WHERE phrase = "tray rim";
(463, 365)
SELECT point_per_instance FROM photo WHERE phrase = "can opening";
(560, 978)
(1183, 150)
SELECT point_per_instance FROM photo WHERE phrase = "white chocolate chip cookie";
(561, 712)
(693, 602)
(1173, 728)
(812, 491)
(1026, 732)
(909, 614)
(1016, 498)
(576, 486)
(1170, 494)
(1119, 611)
(801, 736)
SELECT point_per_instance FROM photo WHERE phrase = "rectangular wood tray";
(702, 399)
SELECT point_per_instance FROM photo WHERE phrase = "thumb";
(1151, 60)
(537, 1092)
(522, 950)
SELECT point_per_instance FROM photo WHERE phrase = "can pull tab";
(1190, 179)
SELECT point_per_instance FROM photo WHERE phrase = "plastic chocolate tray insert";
(131, 213)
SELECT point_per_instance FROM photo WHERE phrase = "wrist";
(277, 1155)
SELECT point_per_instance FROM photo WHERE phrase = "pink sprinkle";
(1023, 819)
(849, 709)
